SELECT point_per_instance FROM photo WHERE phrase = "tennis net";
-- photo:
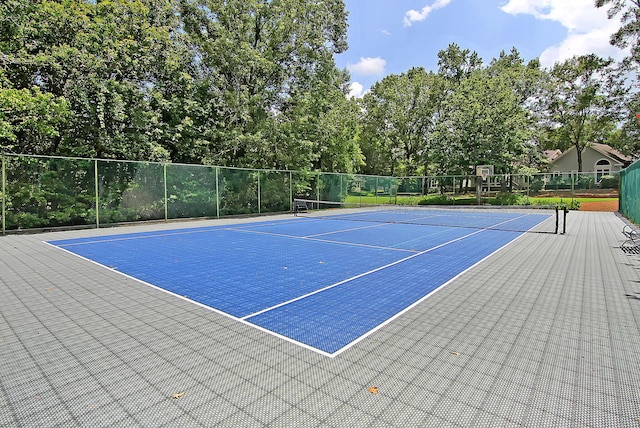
(528, 218)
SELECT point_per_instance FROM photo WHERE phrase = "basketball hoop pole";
(482, 173)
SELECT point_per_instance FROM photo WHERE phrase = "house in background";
(599, 159)
(551, 155)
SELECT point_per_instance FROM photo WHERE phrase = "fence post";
(4, 197)
(217, 195)
(97, 190)
(290, 191)
(454, 190)
(166, 199)
(259, 201)
(620, 196)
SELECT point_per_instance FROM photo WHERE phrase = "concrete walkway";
(544, 333)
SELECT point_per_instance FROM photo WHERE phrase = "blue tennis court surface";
(321, 284)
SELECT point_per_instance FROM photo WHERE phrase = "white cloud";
(368, 66)
(415, 16)
(595, 41)
(588, 28)
(385, 32)
(356, 90)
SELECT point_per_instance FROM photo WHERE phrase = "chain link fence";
(40, 192)
(630, 192)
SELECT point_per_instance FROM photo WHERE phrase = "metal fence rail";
(48, 192)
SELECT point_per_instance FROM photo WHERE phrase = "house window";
(603, 167)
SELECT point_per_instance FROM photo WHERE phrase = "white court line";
(195, 302)
(377, 224)
(422, 299)
(247, 228)
(416, 220)
(158, 234)
(241, 227)
(119, 237)
(409, 222)
(357, 276)
(244, 321)
(304, 296)
(328, 241)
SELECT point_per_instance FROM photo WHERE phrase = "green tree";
(456, 64)
(260, 59)
(103, 58)
(581, 98)
(30, 121)
(398, 117)
(484, 118)
(525, 81)
(625, 135)
(328, 120)
(628, 35)
(239, 83)
(484, 123)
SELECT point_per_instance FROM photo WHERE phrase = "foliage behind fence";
(48, 192)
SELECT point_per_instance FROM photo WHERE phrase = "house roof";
(611, 152)
(551, 155)
(603, 149)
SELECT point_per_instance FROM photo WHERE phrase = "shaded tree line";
(254, 83)
(237, 82)
(504, 114)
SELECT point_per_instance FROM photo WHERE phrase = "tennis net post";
(564, 210)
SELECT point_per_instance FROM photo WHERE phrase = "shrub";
(408, 200)
(609, 182)
(536, 185)
(558, 183)
(434, 200)
(510, 199)
(585, 182)
(574, 204)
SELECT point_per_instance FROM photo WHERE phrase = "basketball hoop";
(484, 171)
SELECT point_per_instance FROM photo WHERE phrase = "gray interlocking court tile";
(545, 332)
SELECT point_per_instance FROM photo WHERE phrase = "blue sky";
(391, 36)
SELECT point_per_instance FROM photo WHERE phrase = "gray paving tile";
(545, 332)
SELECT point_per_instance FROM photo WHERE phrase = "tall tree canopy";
(450, 121)
(398, 117)
(583, 96)
(627, 137)
(628, 35)
(104, 59)
(262, 59)
(254, 83)
(210, 81)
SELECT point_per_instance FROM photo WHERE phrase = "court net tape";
(526, 218)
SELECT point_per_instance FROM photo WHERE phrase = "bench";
(632, 234)
(299, 207)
